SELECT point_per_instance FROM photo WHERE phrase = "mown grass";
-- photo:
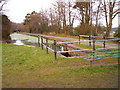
(31, 67)
(61, 35)
(87, 46)
(49, 38)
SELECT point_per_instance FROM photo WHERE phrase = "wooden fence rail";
(74, 51)
(91, 41)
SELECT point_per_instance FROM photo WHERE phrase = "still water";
(21, 39)
(19, 42)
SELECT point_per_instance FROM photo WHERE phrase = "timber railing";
(43, 42)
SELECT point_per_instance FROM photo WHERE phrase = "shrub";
(6, 27)
(84, 29)
(117, 32)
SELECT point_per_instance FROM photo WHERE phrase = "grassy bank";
(31, 67)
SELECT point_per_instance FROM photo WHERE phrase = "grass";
(49, 38)
(31, 67)
(114, 42)
(61, 35)
(87, 46)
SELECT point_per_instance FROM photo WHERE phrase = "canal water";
(22, 39)
(19, 42)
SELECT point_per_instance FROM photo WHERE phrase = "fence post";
(89, 40)
(47, 45)
(93, 44)
(55, 51)
(79, 39)
(42, 42)
(104, 41)
(94, 53)
(38, 40)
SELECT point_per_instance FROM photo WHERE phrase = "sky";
(16, 10)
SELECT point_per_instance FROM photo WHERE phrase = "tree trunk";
(106, 18)
(110, 18)
(96, 26)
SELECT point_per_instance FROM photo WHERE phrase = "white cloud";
(17, 9)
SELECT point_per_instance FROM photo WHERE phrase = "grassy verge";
(57, 39)
(87, 46)
(49, 38)
(62, 35)
(31, 67)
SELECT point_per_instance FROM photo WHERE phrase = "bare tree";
(71, 16)
(64, 16)
(97, 13)
(110, 11)
(53, 20)
(2, 3)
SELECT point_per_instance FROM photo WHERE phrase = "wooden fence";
(91, 41)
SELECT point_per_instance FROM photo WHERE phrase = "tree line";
(62, 16)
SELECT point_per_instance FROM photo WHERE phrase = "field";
(31, 67)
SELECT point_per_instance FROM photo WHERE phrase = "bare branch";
(115, 15)
(116, 11)
(1, 7)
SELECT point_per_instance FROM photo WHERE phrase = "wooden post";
(93, 44)
(94, 49)
(79, 39)
(38, 40)
(89, 40)
(104, 41)
(47, 45)
(42, 42)
(55, 51)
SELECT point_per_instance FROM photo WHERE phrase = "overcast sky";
(16, 10)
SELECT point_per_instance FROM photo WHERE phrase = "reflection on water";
(22, 39)
(19, 42)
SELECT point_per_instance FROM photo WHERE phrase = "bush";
(117, 32)
(84, 29)
(6, 27)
